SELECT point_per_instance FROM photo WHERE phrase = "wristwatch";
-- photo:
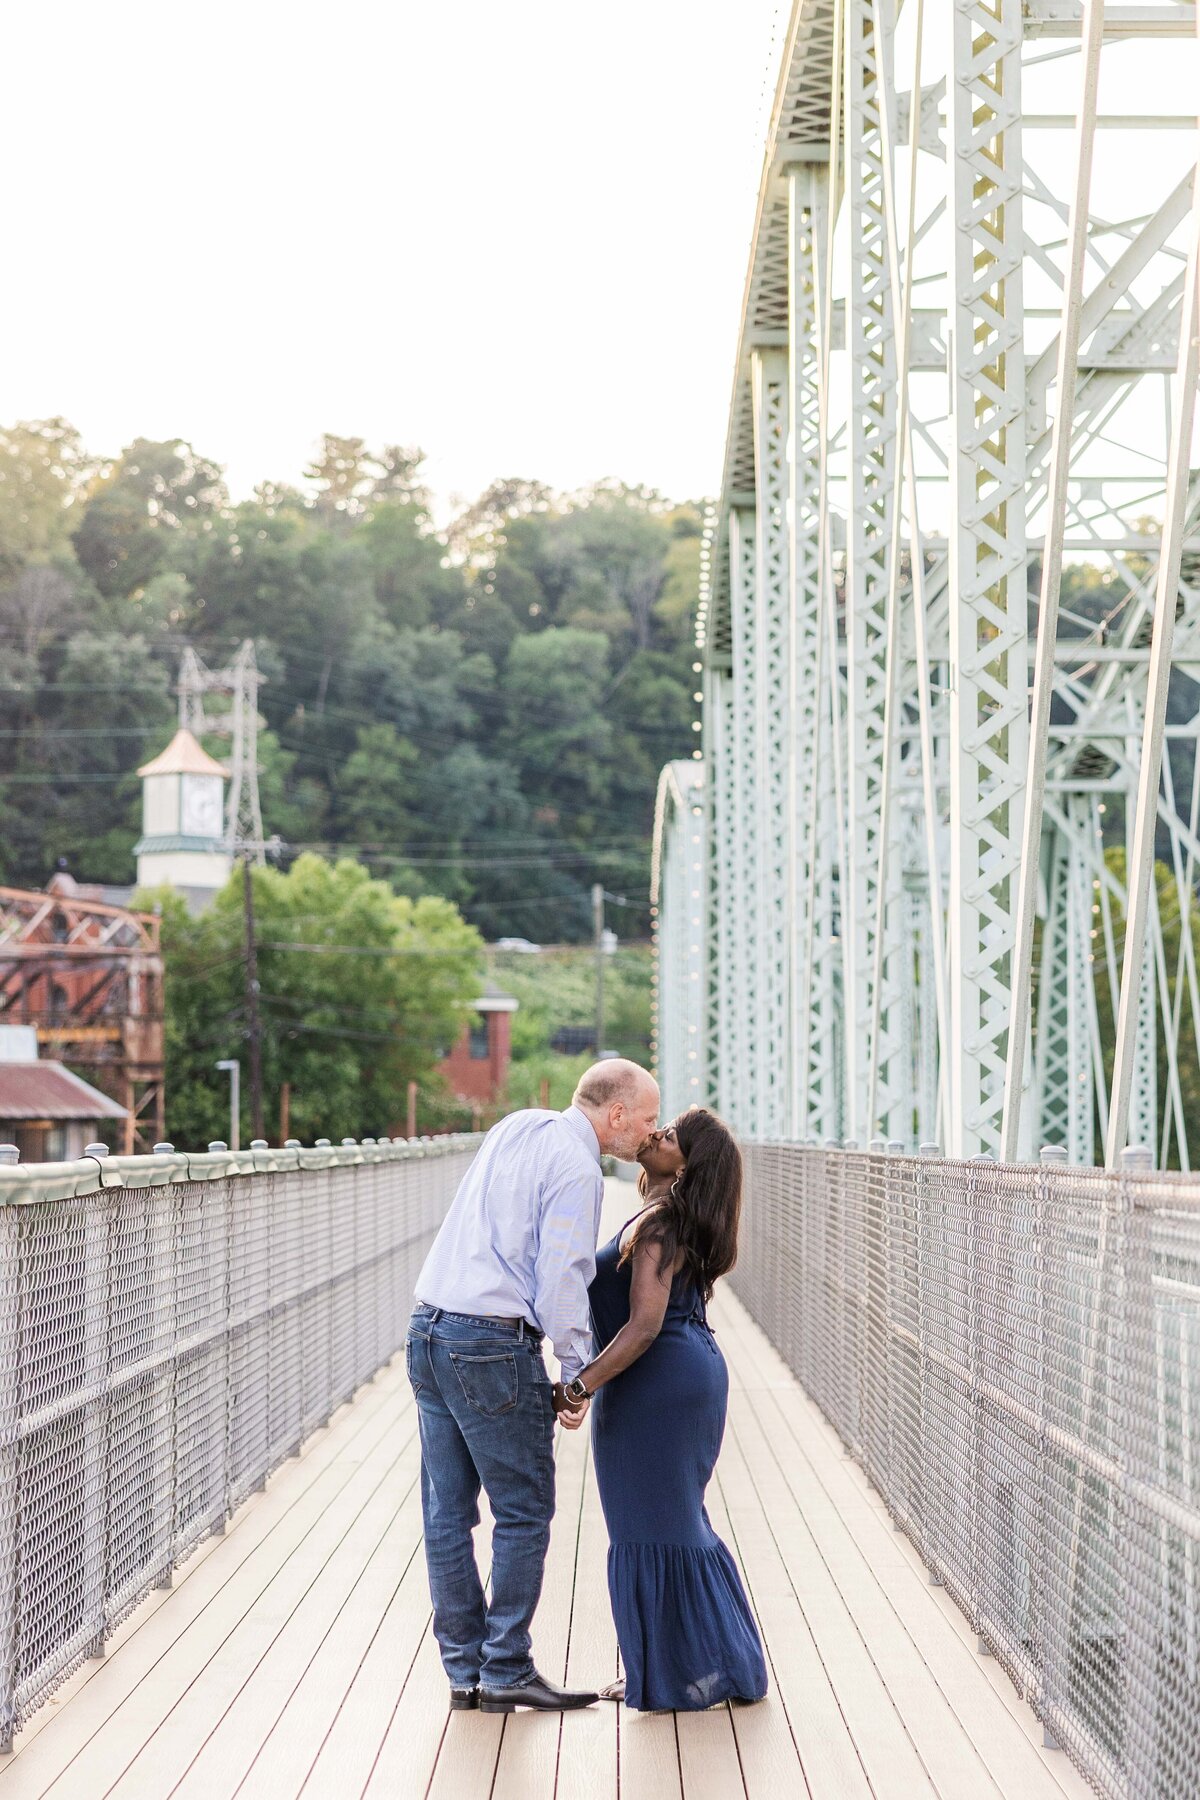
(575, 1390)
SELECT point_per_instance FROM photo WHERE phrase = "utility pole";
(253, 1022)
(598, 931)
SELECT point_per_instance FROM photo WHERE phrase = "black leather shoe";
(464, 1699)
(538, 1693)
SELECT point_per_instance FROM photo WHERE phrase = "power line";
(459, 951)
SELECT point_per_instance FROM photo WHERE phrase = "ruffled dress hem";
(696, 1644)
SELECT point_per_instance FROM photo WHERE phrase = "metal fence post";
(173, 1211)
(1138, 1427)
(978, 1475)
(899, 1462)
(928, 1539)
(12, 1300)
(1049, 1627)
(98, 1255)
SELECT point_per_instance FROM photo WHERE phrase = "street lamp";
(234, 1070)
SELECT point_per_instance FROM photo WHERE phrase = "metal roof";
(183, 756)
(45, 1090)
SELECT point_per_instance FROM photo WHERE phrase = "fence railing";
(1013, 1355)
(173, 1328)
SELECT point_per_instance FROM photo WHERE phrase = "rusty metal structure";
(89, 978)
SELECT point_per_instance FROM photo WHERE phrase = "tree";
(399, 477)
(153, 491)
(111, 708)
(343, 472)
(44, 471)
(375, 789)
(558, 736)
(361, 989)
(489, 708)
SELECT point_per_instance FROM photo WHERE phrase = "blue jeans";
(486, 1413)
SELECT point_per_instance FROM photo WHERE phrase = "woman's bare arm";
(649, 1292)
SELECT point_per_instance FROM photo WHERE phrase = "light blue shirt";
(519, 1240)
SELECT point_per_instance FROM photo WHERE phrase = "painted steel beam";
(772, 797)
(988, 649)
(871, 415)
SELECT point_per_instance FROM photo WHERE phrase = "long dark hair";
(700, 1214)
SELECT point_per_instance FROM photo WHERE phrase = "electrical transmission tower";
(239, 722)
(948, 804)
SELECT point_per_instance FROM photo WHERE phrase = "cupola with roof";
(183, 843)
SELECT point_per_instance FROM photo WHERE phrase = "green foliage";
(481, 715)
(347, 1029)
(44, 472)
(558, 988)
(1188, 1053)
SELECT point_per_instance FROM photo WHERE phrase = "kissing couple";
(515, 1263)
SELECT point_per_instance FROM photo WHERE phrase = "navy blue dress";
(687, 1636)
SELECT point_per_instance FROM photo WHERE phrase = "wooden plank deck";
(294, 1657)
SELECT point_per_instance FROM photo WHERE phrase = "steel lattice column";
(988, 717)
(773, 739)
(815, 1072)
(710, 1010)
(1143, 1092)
(744, 892)
(872, 483)
(720, 727)
(1064, 1070)
(679, 938)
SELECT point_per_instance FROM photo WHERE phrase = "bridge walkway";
(294, 1657)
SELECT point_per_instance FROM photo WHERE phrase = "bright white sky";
(515, 234)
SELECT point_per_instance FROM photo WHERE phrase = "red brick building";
(477, 1067)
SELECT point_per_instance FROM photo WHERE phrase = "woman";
(687, 1636)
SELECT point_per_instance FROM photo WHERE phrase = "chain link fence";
(1013, 1355)
(173, 1328)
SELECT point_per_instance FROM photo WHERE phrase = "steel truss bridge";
(931, 877)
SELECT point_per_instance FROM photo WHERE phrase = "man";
(511, 1264)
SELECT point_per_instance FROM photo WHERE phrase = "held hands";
(570, 1413)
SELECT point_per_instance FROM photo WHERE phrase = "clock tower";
(183, 843)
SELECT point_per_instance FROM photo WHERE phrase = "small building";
(477, 1067)
(183, 843)
(45, 1110)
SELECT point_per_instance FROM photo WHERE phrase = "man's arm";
(565, 1264)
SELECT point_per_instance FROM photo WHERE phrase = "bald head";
(621, 1100)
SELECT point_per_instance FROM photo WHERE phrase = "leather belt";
(519, 1324)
